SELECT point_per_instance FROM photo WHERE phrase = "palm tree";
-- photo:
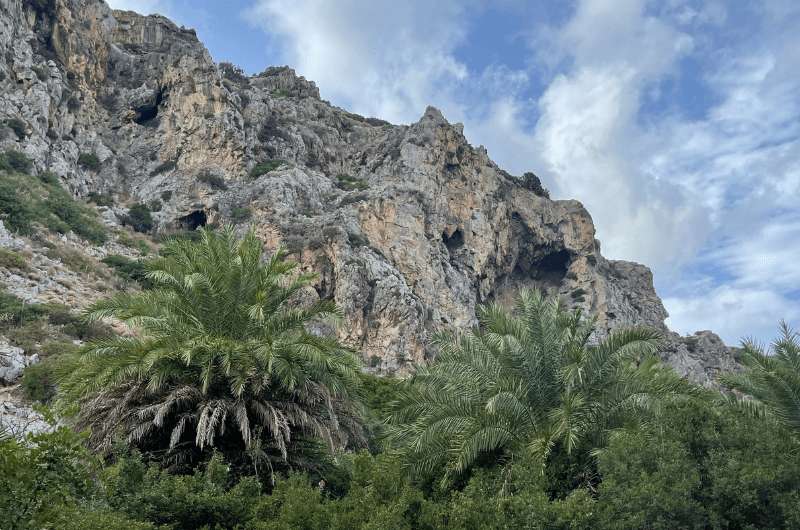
(527, 380)
(220, 355)
(770, 383)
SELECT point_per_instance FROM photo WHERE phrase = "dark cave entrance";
(536, 265)
(551, 268)
(193, 221)
(454, 241)
(149, 111)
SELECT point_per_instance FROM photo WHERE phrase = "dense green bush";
(25, 200)
(101, 199)
(89, 161)
(39, 382)
(702, 467)
(15, 161)
(128, 269)
(139, 218)
(265, 167)
(75, 216)
(240, 214)
(350, 183)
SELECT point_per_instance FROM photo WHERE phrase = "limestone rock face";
(409, 226)
(13, 362)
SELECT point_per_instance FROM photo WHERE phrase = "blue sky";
(677, 123)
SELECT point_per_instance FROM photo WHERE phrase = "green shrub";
(14, 311)
(39, 382)
(139, 218)
(17, 213)
(128, 269)
(101, 199)
(265, 167)
(204, 499)
(29, 334)
(12, 160)
(25, 201)
(166, 195)
(18, 126)
(215, 182)
(13, 260)
(75, 216)
(240, 214)
(89, 161)
(50, 178)
(350, 183)
(57, 348)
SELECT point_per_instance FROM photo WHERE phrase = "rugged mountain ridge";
(409, 226)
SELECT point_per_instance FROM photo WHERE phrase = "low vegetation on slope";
(230, 405)
(26, 201)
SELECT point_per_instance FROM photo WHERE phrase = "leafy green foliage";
(128, 269)
(240, 214)
(350, 183)
(203, 499)
(139, 218)
(39, 382)
(47, 482)
(101, 199)
(35, 327)
(221, 358)
(701, 467)
(265, 167)
(10, 259)
(89, 161)
(12, 160)
(25, 200)
(772, 381)
(528, 380)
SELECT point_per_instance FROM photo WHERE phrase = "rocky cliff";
(409, 226)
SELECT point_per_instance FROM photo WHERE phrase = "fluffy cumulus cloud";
(380, 58)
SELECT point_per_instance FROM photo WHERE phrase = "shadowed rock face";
(409, 227)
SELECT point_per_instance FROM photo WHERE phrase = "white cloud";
(381, 58)
(144, 7)
(733, 313)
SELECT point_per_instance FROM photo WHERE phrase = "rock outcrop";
(409, 226)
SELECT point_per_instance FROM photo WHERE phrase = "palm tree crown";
(771, 382)
(220, 355)
(527, 379)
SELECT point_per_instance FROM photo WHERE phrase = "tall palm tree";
(771, 383)
(527, 380)
(220, 355)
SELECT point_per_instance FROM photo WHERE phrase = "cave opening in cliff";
(148, 112)
(453, 241)
(194, 220)
(554, 265)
